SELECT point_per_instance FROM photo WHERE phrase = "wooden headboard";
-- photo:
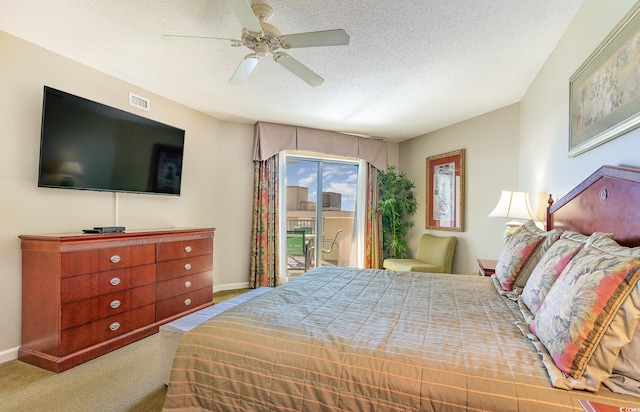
(607, 201)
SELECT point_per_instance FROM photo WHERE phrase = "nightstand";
(487, 267)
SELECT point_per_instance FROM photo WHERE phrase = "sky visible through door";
(337, 178)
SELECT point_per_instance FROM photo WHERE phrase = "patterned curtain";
(373, 235)
(265, 261)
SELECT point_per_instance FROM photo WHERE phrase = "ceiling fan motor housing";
(270, 34)
(269, 37)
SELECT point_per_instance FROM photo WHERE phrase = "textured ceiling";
(412, 66)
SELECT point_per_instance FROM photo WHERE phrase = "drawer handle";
(115, 304)
(187, 266)
(188, 249)
(115, 281)
(114, 326)
(187, 284)
(187, 302)
(115, 259)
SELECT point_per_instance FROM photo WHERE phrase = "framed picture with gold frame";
(445, 191)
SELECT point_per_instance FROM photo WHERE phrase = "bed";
(362, 339)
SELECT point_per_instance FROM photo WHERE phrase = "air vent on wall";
(139, 102)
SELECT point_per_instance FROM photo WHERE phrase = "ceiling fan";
(264, 39)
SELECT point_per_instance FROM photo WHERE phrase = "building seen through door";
(320, 214)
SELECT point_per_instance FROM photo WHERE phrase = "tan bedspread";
(342, 339)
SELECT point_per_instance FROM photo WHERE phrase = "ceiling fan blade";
(244, 69)
(231, 42)
(242, 10)
(336, 37)
(298, 69)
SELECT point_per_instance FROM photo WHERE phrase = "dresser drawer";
(184, 302)
(182, 267)
(89, 310)
(133, 277)
(101, 260)
(178, 286)
(94, 284)
(74, 339)
(183, 249)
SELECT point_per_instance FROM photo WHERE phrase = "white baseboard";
(230, 286)
(9, 355)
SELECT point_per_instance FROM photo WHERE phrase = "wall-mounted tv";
(90, 146)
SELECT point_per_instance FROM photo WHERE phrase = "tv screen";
(90, 146)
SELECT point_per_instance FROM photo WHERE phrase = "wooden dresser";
(84, 295)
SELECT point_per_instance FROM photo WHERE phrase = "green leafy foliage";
(397, 205)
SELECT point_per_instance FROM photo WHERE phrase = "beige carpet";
(123, 380)
(228, 294)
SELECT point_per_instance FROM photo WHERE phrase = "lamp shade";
(513, 205)
(71, 168)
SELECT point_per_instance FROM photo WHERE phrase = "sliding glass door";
(321, 213)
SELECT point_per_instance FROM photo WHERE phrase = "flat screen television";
(90, 146)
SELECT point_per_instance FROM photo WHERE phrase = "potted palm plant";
(397, 205)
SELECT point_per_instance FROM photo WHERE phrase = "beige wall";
(211, 195)
(491, 165)
(524, 147)
(393, 153)
(544, 128)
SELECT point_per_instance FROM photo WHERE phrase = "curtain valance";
(271, 138)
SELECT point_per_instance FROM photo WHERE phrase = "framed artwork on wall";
(605, 90)
(445, 191)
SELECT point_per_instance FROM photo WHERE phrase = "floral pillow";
(584, 319)
(521, 254)
(551, 265)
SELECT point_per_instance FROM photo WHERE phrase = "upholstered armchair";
(434, 255)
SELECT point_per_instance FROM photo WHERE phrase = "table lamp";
(512, 205)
